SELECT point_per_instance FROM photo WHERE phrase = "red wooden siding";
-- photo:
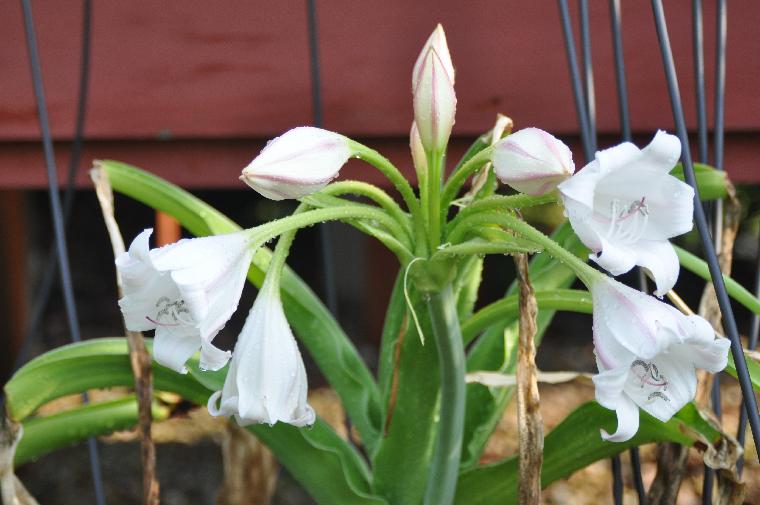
(210, 75)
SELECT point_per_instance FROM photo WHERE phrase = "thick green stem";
(458, 178)
(441, 485)
(433, 203)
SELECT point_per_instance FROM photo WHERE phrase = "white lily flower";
(297, 163)
(625, 206)
(647, 353)
(437, 41)
(532, 161)
(434, 102)
(266, 382)
(186, 291)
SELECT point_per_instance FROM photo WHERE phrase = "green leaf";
(46, 434)
(735, 290)
(402, 461)
(325, 341)
(92, 364)
(572, 445)
(712, 183)
(753, 367)
(485, 405)
(325, 464)
(315, 457)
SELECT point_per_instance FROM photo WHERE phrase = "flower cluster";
(187, 292)
(624, 206)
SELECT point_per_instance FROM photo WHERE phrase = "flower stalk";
(442, 480)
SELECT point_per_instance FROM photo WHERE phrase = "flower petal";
(213, 358)
(627, 422)
(661, 260)
(173, 346)
(614, 258)
(665, 389)
(299, 162)
(662, 152)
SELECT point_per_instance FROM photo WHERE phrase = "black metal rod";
(729, 322)
(325, 233)
(588, 73)
(57, 217)
(638, 480)
(575, 79)
(51, 268)
(617, 480)
(625, 128)
(622, 87)
(699, 78)
(754, 333)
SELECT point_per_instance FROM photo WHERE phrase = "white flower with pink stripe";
(299, 162)
(532, 161)
(625, 205)
(647, 353)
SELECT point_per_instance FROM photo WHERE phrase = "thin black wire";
(617, 481)
(625, 128)
(588, 73)
(699, 78)
(622, 87)
(325, 233)
(51, 268)
(575, 79)
(729, 322)
(57, 217)
(753, 337)
(699, 88)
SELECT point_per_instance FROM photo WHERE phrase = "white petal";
(437, 41)
(632, 319)
(434, 103)
(614, 258)
(581, 186)
(610, 353)
(609, 384)
(661, 260)
(134, 266)
(581, 220)
(627, 422)
(173, 346)
(675, 372)
(266, 382)
(532, 161)
(213, 358)
(667, 202)
(663, 152)
(140, 308)
(709, 355)
(299, 162)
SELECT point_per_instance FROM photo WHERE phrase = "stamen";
(624, 229)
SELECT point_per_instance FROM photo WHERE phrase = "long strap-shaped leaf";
(574, 444)
(323, 338)
(328, 468)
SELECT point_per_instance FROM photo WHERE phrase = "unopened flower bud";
(437, 41)
(532, 161)
(418, 151)
(297, 163)
(434, 103)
